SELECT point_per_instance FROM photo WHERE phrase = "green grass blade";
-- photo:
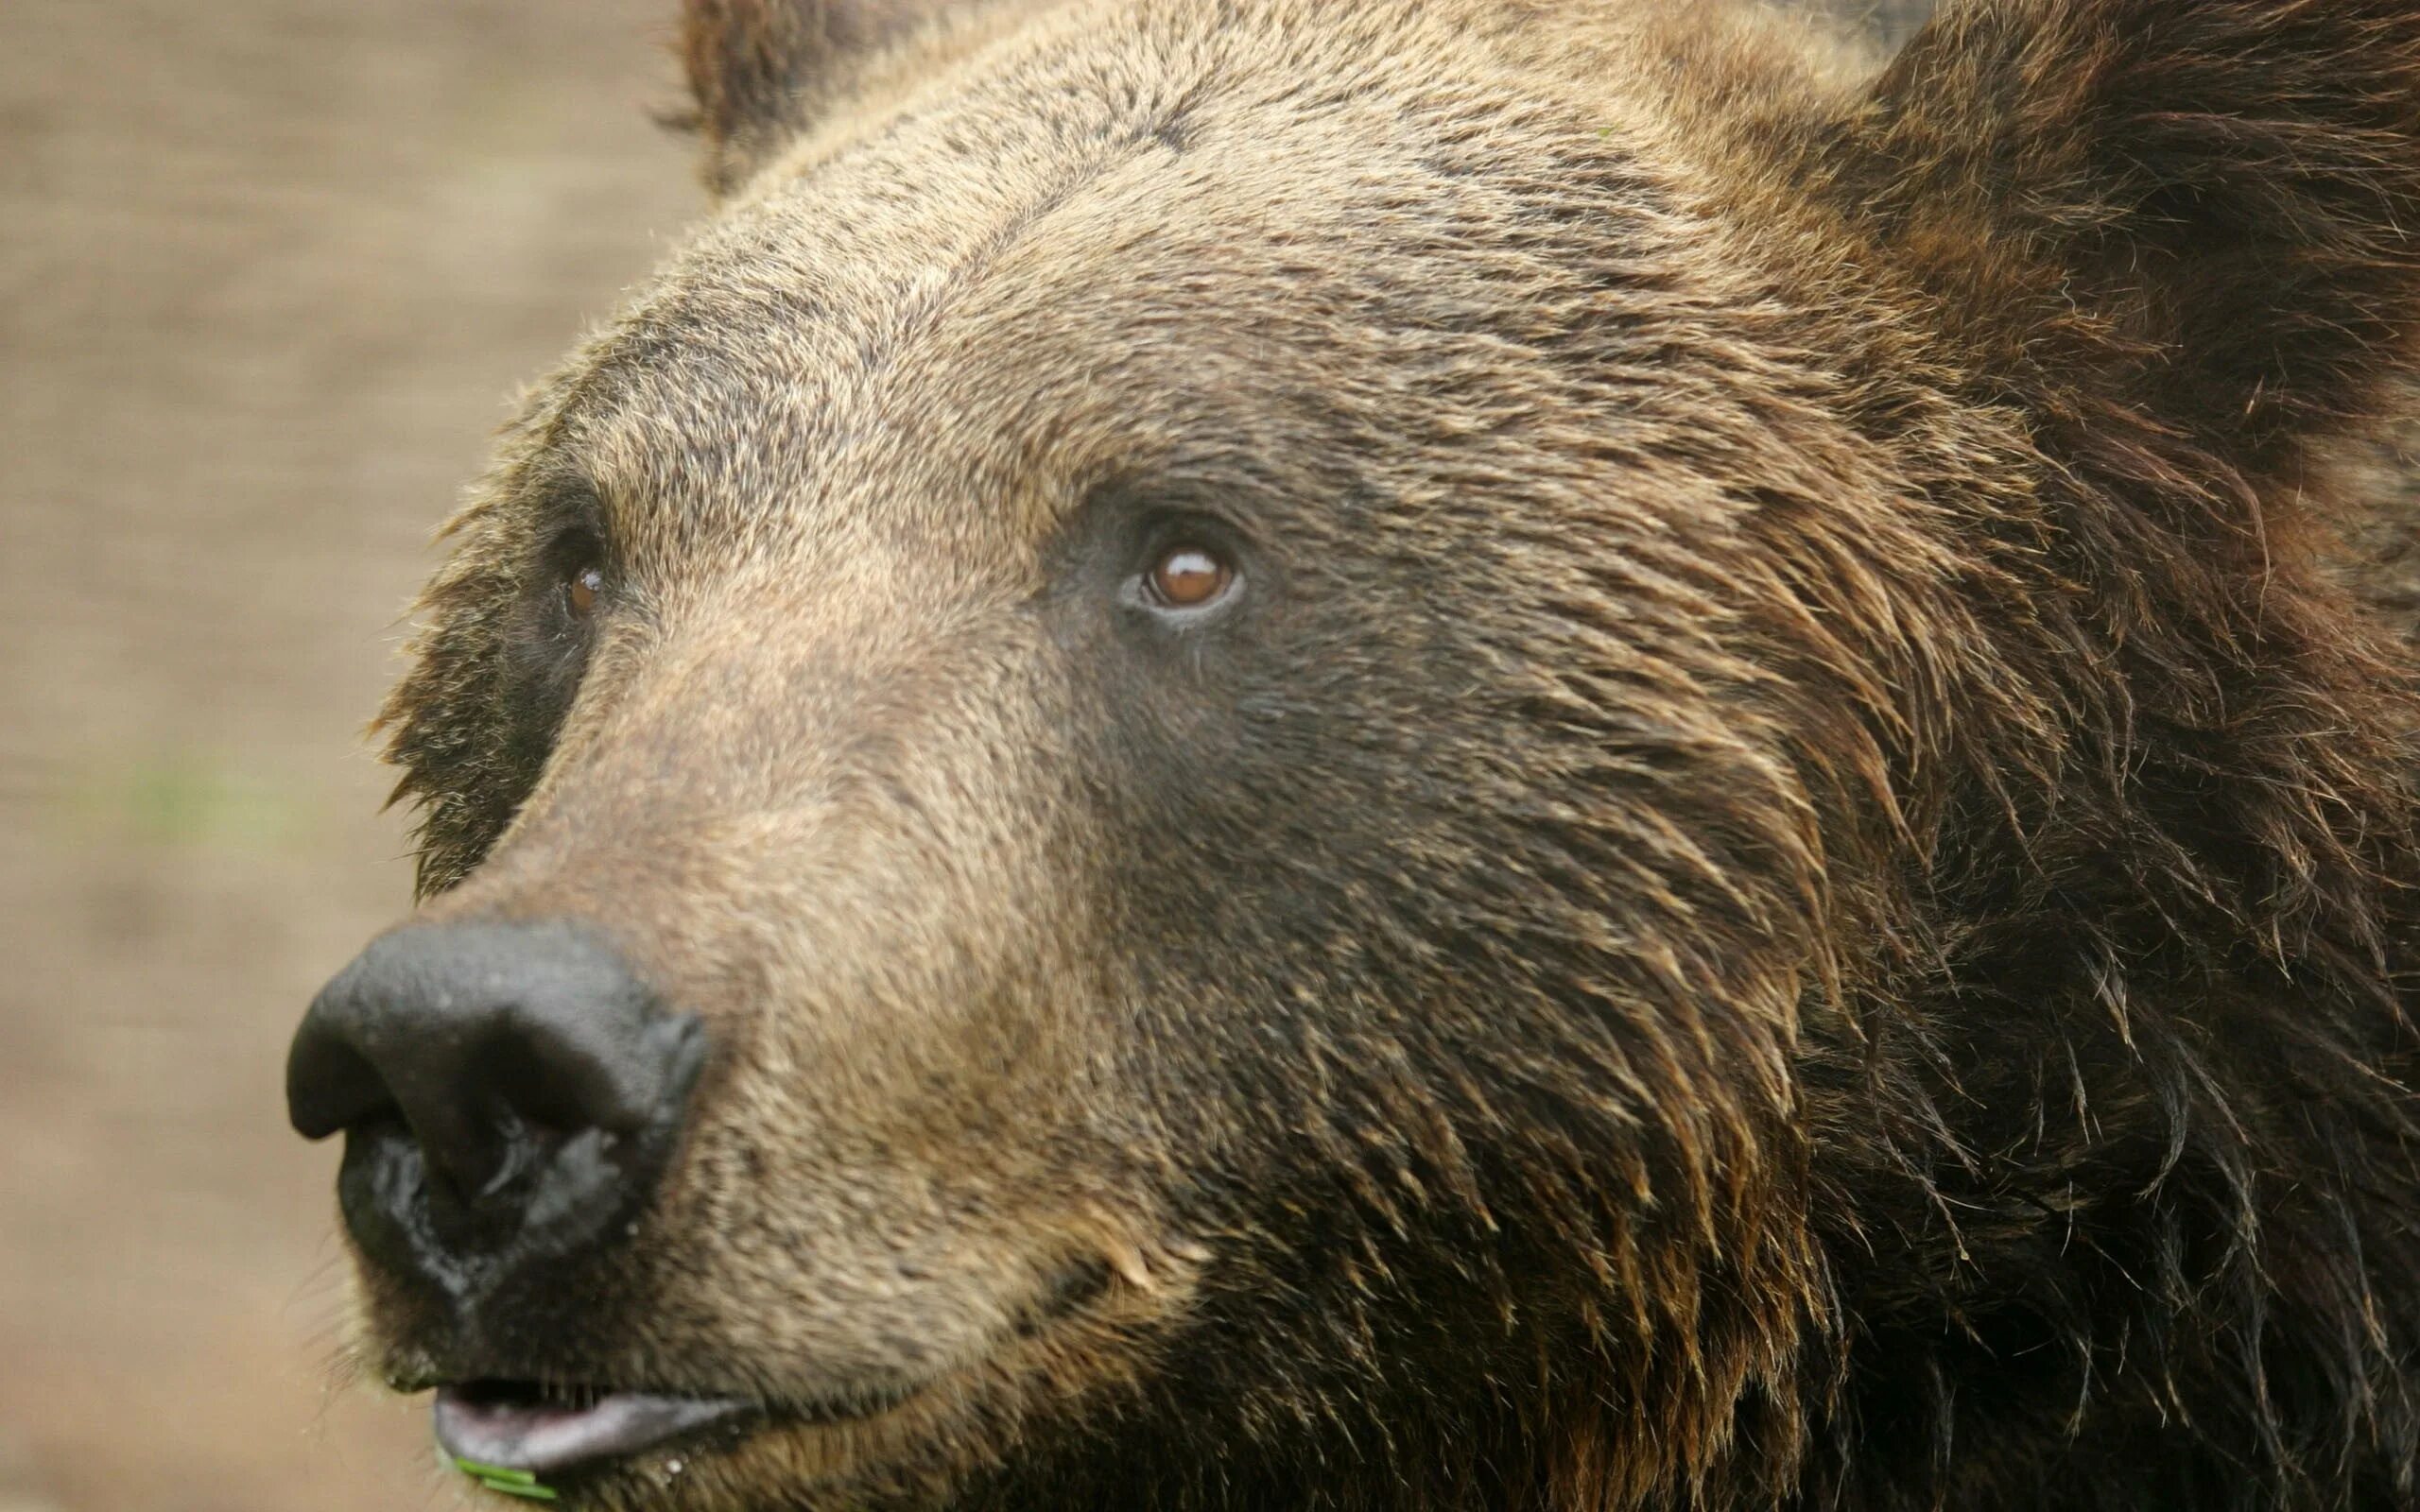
(531, 1489)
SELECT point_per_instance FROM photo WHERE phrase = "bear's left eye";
(583, 588)
(1189, 578)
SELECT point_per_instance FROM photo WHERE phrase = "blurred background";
(270, 271)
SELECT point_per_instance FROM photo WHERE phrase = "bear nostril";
(505, 1050)
(329, 1085)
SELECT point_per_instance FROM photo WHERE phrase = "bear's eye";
(582, 589)
(1189, 578)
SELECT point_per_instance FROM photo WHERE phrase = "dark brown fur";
(1793, 883)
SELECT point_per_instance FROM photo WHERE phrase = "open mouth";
(526, 1430)
(529, 1429)
(515, 1433)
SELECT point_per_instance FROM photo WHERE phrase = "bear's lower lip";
(518, 1425)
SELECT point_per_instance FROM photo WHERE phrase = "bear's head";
(1441, 753)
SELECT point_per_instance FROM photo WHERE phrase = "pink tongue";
(514, 1434)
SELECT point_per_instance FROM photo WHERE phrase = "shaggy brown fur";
(1787, 884)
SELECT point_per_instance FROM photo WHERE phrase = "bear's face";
(1252, 665)
(1155, 640)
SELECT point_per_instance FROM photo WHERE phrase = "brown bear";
(1462, 754)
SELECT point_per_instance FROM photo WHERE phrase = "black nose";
(507, 1091)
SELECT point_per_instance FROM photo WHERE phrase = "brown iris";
(1190, 577)
(586, 585)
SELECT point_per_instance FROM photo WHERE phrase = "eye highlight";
(1188, 576)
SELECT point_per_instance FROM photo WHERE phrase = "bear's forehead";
(1163, 241)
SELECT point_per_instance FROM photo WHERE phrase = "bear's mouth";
(549, 1431)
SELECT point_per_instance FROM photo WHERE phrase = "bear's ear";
(2204, 212)
(759, 69)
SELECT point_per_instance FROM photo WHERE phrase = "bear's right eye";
(572, 567)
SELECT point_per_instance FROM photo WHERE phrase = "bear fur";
(1790, 881)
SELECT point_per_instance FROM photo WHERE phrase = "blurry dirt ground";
(269, 271)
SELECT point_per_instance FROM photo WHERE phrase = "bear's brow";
(555, 493)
